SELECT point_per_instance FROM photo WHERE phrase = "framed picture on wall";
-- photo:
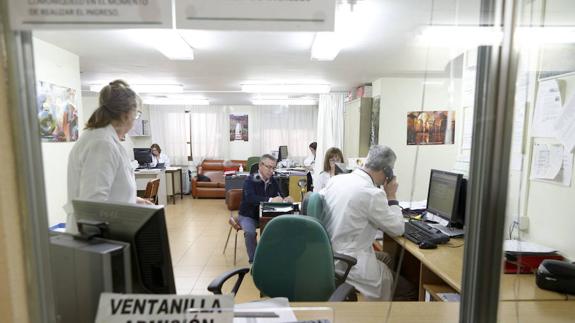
(57, 112)
(374, 128)
(430, 127)
(238, 127)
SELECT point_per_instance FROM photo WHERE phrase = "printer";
(556, 275)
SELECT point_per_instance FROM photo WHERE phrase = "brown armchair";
(214, 169)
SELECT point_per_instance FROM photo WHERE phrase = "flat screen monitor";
(282, 153)
(144, 228)
(143, 156)
(446, 196)
(341, 168)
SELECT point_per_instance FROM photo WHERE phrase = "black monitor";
(144, 228)
(341, 168)
(282, 153)
(143, 156)
(446, 196)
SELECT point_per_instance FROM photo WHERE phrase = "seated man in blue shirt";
(258, 187)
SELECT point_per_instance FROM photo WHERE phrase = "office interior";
(410, 56)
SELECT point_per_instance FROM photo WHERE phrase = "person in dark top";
(258, 187)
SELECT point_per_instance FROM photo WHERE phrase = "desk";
(372, 312)
(143, 176)
(441, 270)
(175, 176)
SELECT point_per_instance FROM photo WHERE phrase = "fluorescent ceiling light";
(285, 88)
(271, 97)
(147, 88)
(175, 100)
(459, 36)
(285, 102)
(534, 36)
(326, 46)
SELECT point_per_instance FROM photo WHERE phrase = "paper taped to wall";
(548, 107)
(565, 125)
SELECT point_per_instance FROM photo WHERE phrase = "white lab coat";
(99, 169)
(163, 158)
(309, 161)
(357, 209)
(320, 181)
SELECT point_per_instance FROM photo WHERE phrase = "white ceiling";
(380, 43)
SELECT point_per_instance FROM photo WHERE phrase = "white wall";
(60, 67)
(400, 96)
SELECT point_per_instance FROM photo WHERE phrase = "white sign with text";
(259, 15)
(89, 14)
(144, 308)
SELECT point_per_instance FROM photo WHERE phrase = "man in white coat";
(356, 209)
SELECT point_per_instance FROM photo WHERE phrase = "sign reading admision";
(147, 308)
(76, 14)
(265, 15)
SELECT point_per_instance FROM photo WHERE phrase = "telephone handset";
(388, 171)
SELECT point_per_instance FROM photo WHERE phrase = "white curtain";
(168, 127)
(329, 126)
(209, 126)
(294, 126)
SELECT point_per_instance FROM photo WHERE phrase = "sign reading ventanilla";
(79, 14)
(144, 308)
(265, 15)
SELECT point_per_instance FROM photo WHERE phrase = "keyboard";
(418, 231)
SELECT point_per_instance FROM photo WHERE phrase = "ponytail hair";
(116, 100)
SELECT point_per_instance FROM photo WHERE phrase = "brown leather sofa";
(214, 169)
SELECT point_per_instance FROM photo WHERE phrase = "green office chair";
(315, 208)
(293, 259)
(252, 161)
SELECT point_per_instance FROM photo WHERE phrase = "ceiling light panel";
(285, 88)
(285, 102)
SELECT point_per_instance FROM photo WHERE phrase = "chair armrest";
(341, 293)
(216, 285)
(349, 261)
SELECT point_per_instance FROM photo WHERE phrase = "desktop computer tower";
(82, 270)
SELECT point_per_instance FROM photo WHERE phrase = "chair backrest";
(316, 209)
(254, 169)
(234, 199)
(294, 259)
(152, 190)
(251, 161)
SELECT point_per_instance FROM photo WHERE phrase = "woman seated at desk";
(158, 157)
(332, 156)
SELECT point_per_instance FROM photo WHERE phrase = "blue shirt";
(255, 192)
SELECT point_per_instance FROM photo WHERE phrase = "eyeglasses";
(270, 167)
(334, 159)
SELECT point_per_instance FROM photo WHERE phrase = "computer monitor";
(341, 168)
(446, 196)
(282, 153)
(144, 228)
(143, 156)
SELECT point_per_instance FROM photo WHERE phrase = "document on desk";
(516, 246)
(414, 205)
(261, 311)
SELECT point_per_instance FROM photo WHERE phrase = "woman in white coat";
(99, 167)
(357, 209)
(158, 157)
(332, 156)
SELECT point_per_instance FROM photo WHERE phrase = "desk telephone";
(388, 171)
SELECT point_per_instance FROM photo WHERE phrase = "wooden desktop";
(440, 270)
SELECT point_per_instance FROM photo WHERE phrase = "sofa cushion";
(208, 184)
(215, 176)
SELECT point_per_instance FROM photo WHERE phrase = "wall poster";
(238, 127)
(57, 112)
(430, 127)
(374, 129)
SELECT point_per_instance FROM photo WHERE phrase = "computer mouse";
(427, 245)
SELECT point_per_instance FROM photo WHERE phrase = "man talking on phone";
(357, 208)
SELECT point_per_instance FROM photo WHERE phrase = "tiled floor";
(198, 229)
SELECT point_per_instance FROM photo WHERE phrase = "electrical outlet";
(523, 223)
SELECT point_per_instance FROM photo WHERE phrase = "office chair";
(254, 160)
(233, 201)
(293, 259)
(254, 169)
(152, 188)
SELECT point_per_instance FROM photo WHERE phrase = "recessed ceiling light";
(285, 88)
